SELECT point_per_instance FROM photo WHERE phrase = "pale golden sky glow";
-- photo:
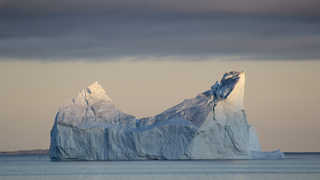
(282, 97)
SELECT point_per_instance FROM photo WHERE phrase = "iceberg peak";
(230, 88)
(96, 89)
(91, 94)
(95, 86)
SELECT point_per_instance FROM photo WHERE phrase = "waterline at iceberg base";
(213, 125)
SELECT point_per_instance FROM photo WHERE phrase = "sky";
(150, 55)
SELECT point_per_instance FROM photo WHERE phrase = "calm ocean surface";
(29, 167)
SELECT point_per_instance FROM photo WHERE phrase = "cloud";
(96, 29)
(103, 37)
(288, 7)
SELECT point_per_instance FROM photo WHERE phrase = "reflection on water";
(295, 166)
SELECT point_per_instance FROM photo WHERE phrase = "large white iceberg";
(213, 125)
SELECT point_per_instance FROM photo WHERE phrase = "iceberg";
(212, 125)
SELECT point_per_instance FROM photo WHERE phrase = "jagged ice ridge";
(213, 125)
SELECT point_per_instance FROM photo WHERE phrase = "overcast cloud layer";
(292, 7)
(104, 30)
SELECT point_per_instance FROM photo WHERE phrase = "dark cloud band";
(40, 7)
(106, 37)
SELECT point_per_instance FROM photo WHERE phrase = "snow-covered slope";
(212, 125)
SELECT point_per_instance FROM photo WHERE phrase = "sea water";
(303, 166)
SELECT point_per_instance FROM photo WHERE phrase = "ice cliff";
(213, 125)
